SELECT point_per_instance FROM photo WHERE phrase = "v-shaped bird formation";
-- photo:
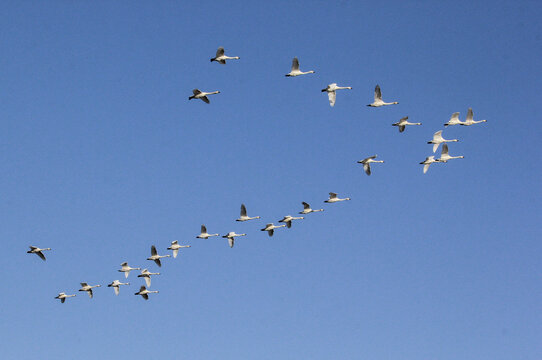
(286, 221)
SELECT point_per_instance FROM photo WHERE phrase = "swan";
(289, 218)
(367, 163)
(146, 274)
(438, 139)
(198, 94)
(295, 69)
(155, 257)
(444, 156)
(454, 120)
(427, 162)
(62, 296)
(403, 122)
(221, 58)
(330, 89)
(126, 269)
(469, 120)
(307, 209)
(244, 216)
(378, 99)
(231, 237)
(88, 288)
(175, 247)
(37, 251)
(333, 198)
(115, 285)
(203, 234)
(270, 228)
(145, 293)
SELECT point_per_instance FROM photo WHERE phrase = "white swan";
(126, 269)
(145, 293)
(63, 297)
(289, 218)
(221, 58)
(198, 94)
(231, 237)
(444, 156)
(116, 285)
(175, 247)
(295, 69)
(203, 234)
(155, 257)
(438, 139)
(307, 209)
(367, 163)
(402, 123)
(270, 228)
(244, 216)
(378, 102)
(454, 120)
(88, 288)
(469, 120)
(146, 274)
(333, 198)
(330, 89)
(427, 162)
(37, 251)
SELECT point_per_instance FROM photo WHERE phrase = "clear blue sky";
(102, 155)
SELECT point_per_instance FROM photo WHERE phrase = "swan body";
(289, 218)
(231, 237)
(62, 296)
(146, 274)
(367, 163)
(427, 162)
(378, 102)
(116, 285)
(331, 92)
(175, 247)
(204, 234)
(244, 216)
(38, 251)
(333, 198)
(145, 293)
(202, 95)
(444, 156)
(307, 209)
(88, 288)
(126, 269)
(221, 58)
(454, 120)
(469, 120)
(295, 69)
(270, 228)
(438, 139)
(155, 257)
(402, 123)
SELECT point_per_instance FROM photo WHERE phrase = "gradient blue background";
(103, 155)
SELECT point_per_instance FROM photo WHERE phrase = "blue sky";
(103, 155)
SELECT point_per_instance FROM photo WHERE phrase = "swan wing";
(116, 288)
(231, 241)
(455, 117)
(306, 206)
(147, 280)
(40, 254)
(223, 62)
(145, 296)
(435, 147)
(367, 168)
(378, 93)
(444, 150)
(425, 168)
(175, 253)
(220, 51)
(205, 99)
(295, 64)
(153, 250)
(469, 115)
(332, 97)
(196, 91)
(332, 195)
(243, 210)
(401, 128)
(157, 261)
(203, 229)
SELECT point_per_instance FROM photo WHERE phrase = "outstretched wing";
(90, 294)
(295, 64)
(116, 288)
(147, 280)
(62, 300)
(231, 241)
(306, 206)
(378, 93)
(469, 115)
(367, 168)
(401, 128)
(196, 91)
(203, 229)
(83, 284)
(444, 150)
(175, 253)
(289, 224)
(455, 116)
(204, 98)
(425, 168)
(223, 62)
(220, 51)
(271, 232)
(332, 96)
(332, 195)
(243, 210)
(157, 261)
(40, 254)
(153, 250)
(145, 296)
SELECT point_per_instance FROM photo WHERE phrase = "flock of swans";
(287, 220)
